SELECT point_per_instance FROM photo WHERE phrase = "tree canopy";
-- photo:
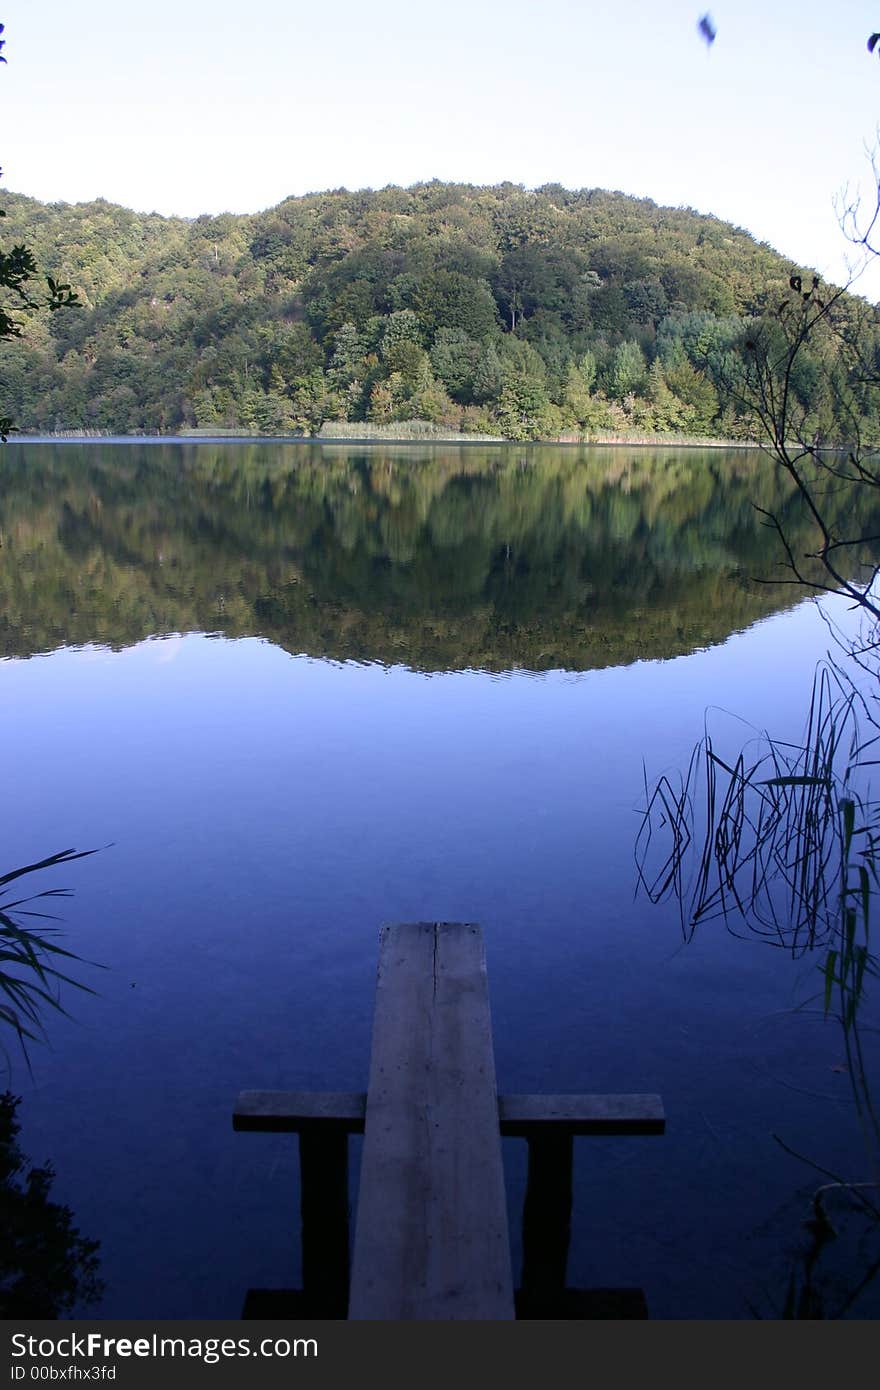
(17, 269)
(531, 314)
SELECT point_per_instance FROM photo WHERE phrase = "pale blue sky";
(189, 106)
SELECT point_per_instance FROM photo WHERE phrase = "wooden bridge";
(431, 1235)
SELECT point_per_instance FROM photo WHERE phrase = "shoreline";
(389, 437)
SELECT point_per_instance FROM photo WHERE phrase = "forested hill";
(487, 310)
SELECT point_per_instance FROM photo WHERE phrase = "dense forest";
(499, 311)
(437, 557)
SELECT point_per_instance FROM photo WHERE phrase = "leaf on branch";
(62, 297)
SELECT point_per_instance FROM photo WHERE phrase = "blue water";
(265, 813)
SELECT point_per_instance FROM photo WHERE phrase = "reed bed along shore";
(405, 431)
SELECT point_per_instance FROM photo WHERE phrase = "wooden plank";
(431, 1238)
(295, 1112)
(576, 1114)
(291, 1112)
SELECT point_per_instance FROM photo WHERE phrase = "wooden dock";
(431, 1236)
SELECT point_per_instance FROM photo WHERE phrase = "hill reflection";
(439, 558)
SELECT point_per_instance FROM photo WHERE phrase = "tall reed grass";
(33, 965)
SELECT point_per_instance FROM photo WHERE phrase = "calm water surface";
(307, 690)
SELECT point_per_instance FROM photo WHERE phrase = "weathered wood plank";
(290, 1112)
(431, 1238)
(294, 1112)
(581, 1114)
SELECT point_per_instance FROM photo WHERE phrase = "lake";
(301, 690)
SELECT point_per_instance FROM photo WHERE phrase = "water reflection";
(47, 1268)
(269, 813)
(438, 558)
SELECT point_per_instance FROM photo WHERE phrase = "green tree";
(692, 388)
(310, 401)
(626, 371)
(401, 332)
(455, 358)
(577, 396)
(446, 299)
(523, 409)
(670, 413)
(488, 377)
(17, 269)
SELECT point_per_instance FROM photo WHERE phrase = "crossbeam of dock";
(298, 1112)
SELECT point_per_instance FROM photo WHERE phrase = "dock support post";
(323, 1162)
(546, 1228)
